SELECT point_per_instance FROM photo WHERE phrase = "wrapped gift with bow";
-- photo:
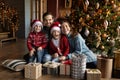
(65, 68)
(93, 74)
(52, 67)
(33, 70)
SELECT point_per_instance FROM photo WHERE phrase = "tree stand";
(105, 66)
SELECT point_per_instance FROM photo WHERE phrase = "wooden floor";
(16, 50)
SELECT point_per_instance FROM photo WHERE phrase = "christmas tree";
(100, 20)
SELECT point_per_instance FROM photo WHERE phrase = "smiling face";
(65, 28)
(37, 28)
(48, 20)
(56, 34)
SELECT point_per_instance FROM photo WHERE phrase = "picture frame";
(68, 3)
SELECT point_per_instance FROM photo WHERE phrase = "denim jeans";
(48, 57)
(38, 56)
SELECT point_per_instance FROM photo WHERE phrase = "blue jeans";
(48, 57)
(38, 55)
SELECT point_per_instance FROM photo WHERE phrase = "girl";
(36, 42)
(58, 45)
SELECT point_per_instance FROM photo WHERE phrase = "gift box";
(51, 64)
(44, 70)
(52, 67)
(53, 71)
(116, 59)
(78, 66)
(33, 70)
(93, 74)
(65, 69)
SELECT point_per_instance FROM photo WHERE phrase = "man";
(48, 19)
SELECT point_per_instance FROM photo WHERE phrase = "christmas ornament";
(104, 35)
(87, 17)
(118, 32)
(86, 4)
(112, 42)
(105, 24)
(87, 32)
(102, 47)
(97, 5)
(106, 2)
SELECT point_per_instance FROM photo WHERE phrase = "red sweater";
(36, 40)
(64, 46)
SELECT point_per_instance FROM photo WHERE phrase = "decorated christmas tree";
(98, 21)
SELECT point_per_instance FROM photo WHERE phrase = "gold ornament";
(104, 35)
(112, 2)
(102, 47)
(87, 17)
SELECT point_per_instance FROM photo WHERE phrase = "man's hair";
(46, 14)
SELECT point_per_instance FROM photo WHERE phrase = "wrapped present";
(53, 71)
(52, 67)
(78, 66)
(33, 70)
(51, 64)
(65, 69)
(116, 59)
(44, 70)
(93, 74)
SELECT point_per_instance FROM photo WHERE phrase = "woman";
(77, 44)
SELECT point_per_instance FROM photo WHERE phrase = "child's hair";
(46, 14)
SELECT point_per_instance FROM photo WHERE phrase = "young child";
(36, 42)
(58, 46)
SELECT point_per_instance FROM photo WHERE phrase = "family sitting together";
(55, 41)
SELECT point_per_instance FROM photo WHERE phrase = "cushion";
(14, 64)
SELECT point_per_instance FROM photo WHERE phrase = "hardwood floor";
(16, 50)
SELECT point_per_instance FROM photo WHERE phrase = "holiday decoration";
(101, 18)
(9, 22)
(8, 18)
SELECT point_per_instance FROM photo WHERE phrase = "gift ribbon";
(65, 70)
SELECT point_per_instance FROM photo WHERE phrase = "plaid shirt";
(36, 40)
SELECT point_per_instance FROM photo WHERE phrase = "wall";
(27, 17)
(23, 8)
(54, 8)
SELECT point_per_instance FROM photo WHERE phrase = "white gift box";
(93, 74)
(65, 69)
